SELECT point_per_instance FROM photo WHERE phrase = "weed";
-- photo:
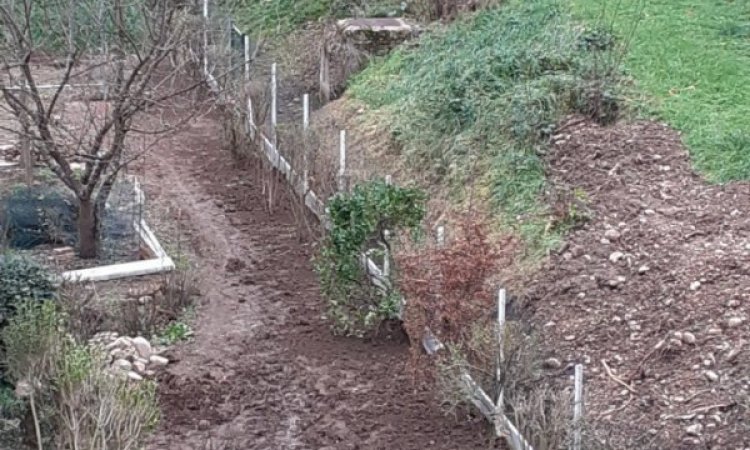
(173, 333)
(10, 405)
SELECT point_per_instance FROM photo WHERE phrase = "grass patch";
(259, 17)
(173, 333)
(693, 58)
(473, 105)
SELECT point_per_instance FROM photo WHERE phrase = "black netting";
(31, 217)
(36, 216)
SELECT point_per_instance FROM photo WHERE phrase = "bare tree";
(52, 48)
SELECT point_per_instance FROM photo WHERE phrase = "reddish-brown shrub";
(447, 287)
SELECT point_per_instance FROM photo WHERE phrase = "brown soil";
(685, 256)
(263, 370)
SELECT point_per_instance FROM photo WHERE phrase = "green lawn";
(692, 57)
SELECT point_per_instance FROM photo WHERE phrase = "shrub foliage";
(360, 221)
(21, 279)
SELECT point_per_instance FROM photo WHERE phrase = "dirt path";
(263, 371)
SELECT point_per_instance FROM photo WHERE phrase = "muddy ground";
(264, 371)
(655, 286)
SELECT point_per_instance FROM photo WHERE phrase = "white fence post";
(577, 407)
(342, 161)
(274, 116)
(499, 405)
(305, 150)
(250, 118)
(386, 256)
(247, 57)
(205, 37)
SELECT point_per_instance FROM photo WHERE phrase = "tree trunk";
(88, 229)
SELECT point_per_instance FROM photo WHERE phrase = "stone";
(735, 322)
(139, 366)
(612, 234)
(711, 375)
(643, 269)
(119, 353)
(688, 337)
(158, 360)
(616, 256)
(134, 376)
(143, 347)
(122, 364)
(694, 429)
(617, 281)
(552, 363)
(695, 285)
(714, 331)
(570, 337)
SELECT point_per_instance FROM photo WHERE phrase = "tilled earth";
(263, 370)
(655, 285)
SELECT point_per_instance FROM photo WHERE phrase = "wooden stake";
(247, 57)
(305, 128)
(500, 349)
(342, 161)
(205, 37)
(577, 406)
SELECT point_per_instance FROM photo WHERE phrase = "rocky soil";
(652, 292)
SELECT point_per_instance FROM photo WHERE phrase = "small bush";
(33, 339)
(359, 221)
(21, 279)
(93, 409)
(85, 314)
(10, 405)
(147, 312)
(447, 287)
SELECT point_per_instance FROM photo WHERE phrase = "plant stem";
(36, 423)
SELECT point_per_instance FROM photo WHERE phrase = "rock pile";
(134, 358)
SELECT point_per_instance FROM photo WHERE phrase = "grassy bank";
(693, 58)
(472, 105)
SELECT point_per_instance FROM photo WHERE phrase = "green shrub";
(21, 279)
(359, 221)
(33, 339)
(10, 405)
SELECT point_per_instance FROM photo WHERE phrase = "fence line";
(492, 410)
